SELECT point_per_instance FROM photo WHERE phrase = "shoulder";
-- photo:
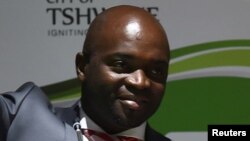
(10, 103)
(13, 99)
(152, 135)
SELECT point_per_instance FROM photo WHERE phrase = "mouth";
(133, 105)
(132, 102)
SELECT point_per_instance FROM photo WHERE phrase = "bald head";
(123, 23)
(123, 68)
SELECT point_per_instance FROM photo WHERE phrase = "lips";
(133, 105)
(132, 102)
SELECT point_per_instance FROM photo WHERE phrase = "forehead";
(133, 49)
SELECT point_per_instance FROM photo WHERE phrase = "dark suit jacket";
(27, 115)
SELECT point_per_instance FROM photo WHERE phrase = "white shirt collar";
(138, 132)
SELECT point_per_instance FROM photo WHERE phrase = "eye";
(158, 73)
(120, 66)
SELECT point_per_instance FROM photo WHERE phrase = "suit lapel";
(69, 114)
(152, 135)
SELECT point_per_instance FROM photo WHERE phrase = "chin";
(126, 121)
(125, 118)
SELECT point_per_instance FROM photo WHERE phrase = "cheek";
(98, 73)
(104, 80)
(111, 79)
(158, 92)
(158, 89)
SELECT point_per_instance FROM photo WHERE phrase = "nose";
(138, 79)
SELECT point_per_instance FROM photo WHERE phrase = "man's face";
(125, 81)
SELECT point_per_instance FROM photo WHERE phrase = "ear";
(80, 63)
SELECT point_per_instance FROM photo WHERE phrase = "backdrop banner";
(209, 75)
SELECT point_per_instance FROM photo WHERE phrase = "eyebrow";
(131, 57)
(121, 55)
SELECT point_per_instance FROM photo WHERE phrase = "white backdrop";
(30, 52)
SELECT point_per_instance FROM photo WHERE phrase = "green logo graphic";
(208, 84)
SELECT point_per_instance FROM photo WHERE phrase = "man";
(123, 71)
